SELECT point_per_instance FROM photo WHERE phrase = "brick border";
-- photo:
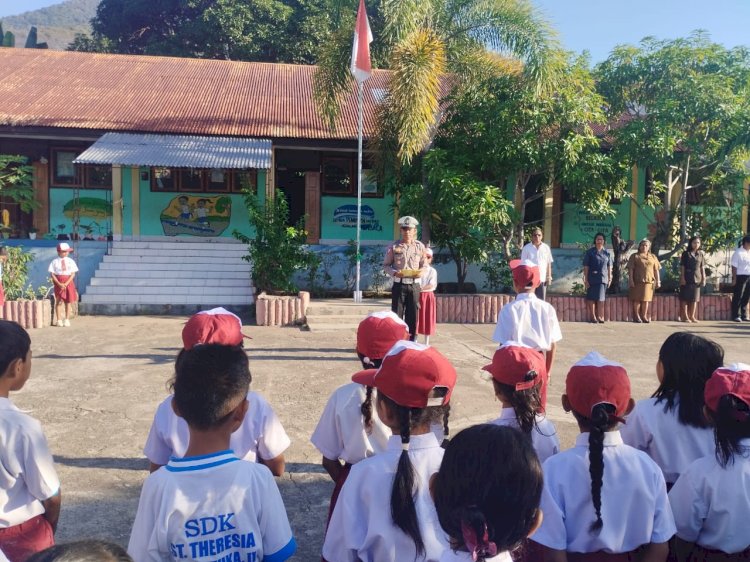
(29, 314)
(272, 310)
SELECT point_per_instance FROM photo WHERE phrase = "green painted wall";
(95, 211)
(338, 218)
(127, 201)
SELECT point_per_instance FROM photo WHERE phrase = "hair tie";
(483, 547)
(405, 446)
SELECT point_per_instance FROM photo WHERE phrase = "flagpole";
(357, 291)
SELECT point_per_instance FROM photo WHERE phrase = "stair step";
(198, 269)
(160, 258)
(168, 299)
(176, 291)
(174, 282)
(179, 252)
(160, 274)
(159, 245)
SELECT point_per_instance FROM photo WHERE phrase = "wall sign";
(346, 217)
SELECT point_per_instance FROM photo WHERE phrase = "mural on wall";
(196, 215)
(94, 219)
(346, 217)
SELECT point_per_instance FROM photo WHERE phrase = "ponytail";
(446, 429)
(731, 424)
(600, 421)
(366, 409)
(525, 403)
(476, 534)
(403, 510)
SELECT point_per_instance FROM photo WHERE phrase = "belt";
(405, 281)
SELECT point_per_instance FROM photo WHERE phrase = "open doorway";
(292, 184)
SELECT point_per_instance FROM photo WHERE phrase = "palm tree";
(424, 41)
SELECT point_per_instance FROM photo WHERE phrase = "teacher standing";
(405, 262)
(539, 253)
(643, 280)
(597, 276)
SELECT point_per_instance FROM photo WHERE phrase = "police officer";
(406, 254)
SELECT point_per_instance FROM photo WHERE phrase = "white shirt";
(672, 445)
(56, 266)
(711, 504)
(543, 436)
(529, 321)
(635, 509)
(340, 433)
(261, 433)
(741, 260)
(361, 527)
(429, 278)
(208, 508)
(27, 471)
(542, 256)
(3, 558)
(462, 556)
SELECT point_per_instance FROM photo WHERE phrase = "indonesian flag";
(361, 66)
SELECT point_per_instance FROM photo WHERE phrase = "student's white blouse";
(711, 504)
(543, 436)
(672, 445)
(635, 509)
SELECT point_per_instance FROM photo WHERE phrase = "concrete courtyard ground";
(95, 387)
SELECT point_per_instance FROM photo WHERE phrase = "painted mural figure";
(185, 212)
(201, 213)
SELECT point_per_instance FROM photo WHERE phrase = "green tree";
(683, 110)
(252, 30)
(502, 128)
(16, 181)
(277, 250)
(466, 213)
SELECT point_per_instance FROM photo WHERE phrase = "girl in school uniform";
(260, 438)
(711, 500)
(517, 374)
(670, 426)
(384, 512)
(347, 432)
(62, 271)
(427, 310)
(602, 500)
(487, 493)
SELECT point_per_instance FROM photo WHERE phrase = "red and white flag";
(361, 65)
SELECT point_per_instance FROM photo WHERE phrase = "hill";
(57, 24)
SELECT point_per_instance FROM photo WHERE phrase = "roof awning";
(178, 151)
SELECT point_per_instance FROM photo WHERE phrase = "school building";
(137, 154)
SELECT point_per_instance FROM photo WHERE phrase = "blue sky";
(599, 25)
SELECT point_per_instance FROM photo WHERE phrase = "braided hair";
(525, 403)
(599, 422)
(366, 407)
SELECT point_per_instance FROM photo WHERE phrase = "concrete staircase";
(170, 276)
(330, 315)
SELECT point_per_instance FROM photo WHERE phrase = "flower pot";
(32, 235)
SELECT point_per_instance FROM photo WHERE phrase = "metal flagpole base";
(357, 296)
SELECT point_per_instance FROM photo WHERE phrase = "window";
(163, 179)
(218, 180)
(191, 179)
(337, 176)
(245, 179)
(64, 172)
(98, 176)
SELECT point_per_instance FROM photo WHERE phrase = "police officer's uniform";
(405, 292)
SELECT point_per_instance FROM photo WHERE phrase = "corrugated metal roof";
(178, 151)
(43, 88)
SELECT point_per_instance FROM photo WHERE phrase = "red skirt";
(67, 294)
(21, 541)
(2, 294)
(427, 313)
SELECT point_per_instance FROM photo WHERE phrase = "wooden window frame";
(235, 186)
(175, 179)
(352, 179)
(207, 181)
(201, 174)
(78, 170)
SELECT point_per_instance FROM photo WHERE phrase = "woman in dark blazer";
(692, 278)
(597, 276)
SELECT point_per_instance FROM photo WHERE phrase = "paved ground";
(95, 386)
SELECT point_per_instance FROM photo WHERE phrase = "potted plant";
(32, 232)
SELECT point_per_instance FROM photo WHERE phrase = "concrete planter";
(272, 310)
(29, 314)
(484, 308)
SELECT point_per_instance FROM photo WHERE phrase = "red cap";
(525, 273)
(217, 326)
(64, 247)
(378, 332)
(596, 380)
(734, 380)
(513, 361)
(409, 373)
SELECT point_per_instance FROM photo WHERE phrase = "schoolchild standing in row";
(487, 493)
(63, 271)
(427, 307)
(602, 500)
(711, 500)
(210, 504)
(347, 430)
(670, 426)
(261, 437)
(517, 374)
(414, 385)
(29, 487)
(529, 320)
